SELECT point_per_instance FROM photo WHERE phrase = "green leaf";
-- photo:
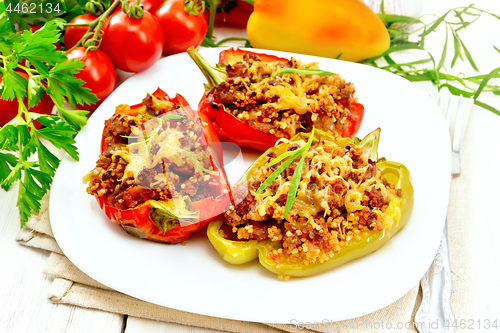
(285, 155)
(33, 187)
(276, 173)
(457, 46)
(13, 86)
(39, 47)
(304, 71)
(390, 19)
(468, 56)
(13, 176)
(487, 107)
(48, 162)
(294, 185)
(207, 42)
(7, 162)
(434, 25)
(5, 27)
(456, 91)
(445, 50)
(64, 86)
(61, 136)
(488, 77)
(27, 203)
(297, 175)
(35, 91)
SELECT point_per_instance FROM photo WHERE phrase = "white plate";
(194, 278)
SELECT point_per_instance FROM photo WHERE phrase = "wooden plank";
(23, 287)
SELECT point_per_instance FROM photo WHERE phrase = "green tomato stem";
(97, 24)
(213, 9)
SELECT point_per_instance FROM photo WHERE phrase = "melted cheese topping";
(170, 149)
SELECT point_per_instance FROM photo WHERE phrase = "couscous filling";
(153, 153)
(341, 198)
(288, 103)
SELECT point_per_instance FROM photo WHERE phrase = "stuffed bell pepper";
(159, 175)
(254, 99)
(313, 203)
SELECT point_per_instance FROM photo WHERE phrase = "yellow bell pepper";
(344, 29)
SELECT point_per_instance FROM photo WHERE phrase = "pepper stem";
(214, 76)
(369, 145)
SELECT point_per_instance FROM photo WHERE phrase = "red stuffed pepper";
(254, 99)
(160, 174)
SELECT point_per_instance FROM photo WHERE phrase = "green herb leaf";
(285, 155)
(305, 71)
(492, 74)
(423, 68)
(487, 107)
(61, 135)
(7, 162)
(435, 25)
(13, 86)
(65, 87)
(294, 185)
(13, 176)
(297, 175)
(276, 173)
(443, 54)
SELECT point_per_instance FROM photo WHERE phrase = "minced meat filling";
(341, 198)
(148, 157)
(287, 104)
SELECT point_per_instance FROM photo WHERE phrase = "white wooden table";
(24, 306)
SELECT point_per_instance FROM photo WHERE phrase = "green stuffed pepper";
(313, 203)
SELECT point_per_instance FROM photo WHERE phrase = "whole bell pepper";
(398, 213)
(230, 128)
(344, 29)
(174, 220)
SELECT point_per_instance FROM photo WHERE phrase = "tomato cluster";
(133, 44)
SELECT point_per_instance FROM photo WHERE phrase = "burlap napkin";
(71, 286)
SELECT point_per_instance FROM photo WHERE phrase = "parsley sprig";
(49, 72)
(409, 33)
(297, 174)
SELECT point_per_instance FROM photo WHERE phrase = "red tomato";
(149, 5)
(98, 73)
(181, 30)
(73, 35)
(239, 15)
(132, 44)
(233, 14)
(9, 109)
